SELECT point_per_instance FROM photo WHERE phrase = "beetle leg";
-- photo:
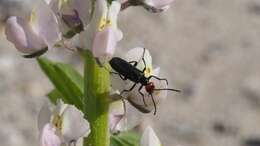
(155, 108)
(139, 90)
(123, 78)
(128, 89)
(144, 61)
(162, 79)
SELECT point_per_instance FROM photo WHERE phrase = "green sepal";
(125, 139)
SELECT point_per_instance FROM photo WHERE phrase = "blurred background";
(210, 49)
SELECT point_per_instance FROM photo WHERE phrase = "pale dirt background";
(208, 48)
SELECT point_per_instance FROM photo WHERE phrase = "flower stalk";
(96, 91)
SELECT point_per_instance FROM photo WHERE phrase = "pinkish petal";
(159, 4)
(114, 120)
(74, 125)
(136, 54)
(116, 114)
(156, 71)
(20, 33)
(105, 43)
(48, 136)
(44, 115)
(47, 24)
(113, 13)
(149, 138)
(83, 7)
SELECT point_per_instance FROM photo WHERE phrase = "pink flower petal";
(48, 136)
(47, 24)
(149, 138)
(20, 33)
(159, 4)
(74, 125)
(116, 114)
(105, 43)
(44, 115)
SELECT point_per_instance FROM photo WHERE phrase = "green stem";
(96, 91)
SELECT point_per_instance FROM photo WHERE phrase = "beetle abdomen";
(126, 69)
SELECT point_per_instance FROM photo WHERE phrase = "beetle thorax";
(150, 87)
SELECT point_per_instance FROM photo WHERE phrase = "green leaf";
(125, 139)
(67, 81)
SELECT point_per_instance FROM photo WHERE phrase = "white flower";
(35, 35)
(61, 124)
(149, 138)
(121, 119)
(145, 105)
(101, 35)
(116, 115)
(72, 15)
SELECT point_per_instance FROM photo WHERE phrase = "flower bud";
(25, 39)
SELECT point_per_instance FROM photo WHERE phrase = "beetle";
(128, 71)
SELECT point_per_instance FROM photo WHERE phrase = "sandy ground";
(208, 48)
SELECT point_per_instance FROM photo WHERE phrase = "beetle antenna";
(176, 90)
(155, 108)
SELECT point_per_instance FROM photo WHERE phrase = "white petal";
(48, 136)
(105, 43)
(132, 118)
(74, 125)
(116, 114)
(60, 107)
(44, 115)
(116, 108)
(83, 7)
(20, 33)
(101, 8)
(159, 4)
(156, 71)
(87, 37)
(136, 54)
(47, 24)
(113, 13)
(48, 1)
(149, 138)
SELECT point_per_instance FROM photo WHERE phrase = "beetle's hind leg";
(122, 77)
(142, 94)
(144, 61)
(128, 90)
(154, 104)
(161, 79)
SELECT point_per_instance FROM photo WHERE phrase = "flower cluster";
(89, 25)
(72, 23)
(57, 124)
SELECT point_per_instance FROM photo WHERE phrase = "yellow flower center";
(57, 122)
(62, 3)
(148, 71)
(32, 16)
(103, 23)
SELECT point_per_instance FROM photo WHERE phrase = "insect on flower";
(128, 71)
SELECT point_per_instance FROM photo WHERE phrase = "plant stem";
(96, 92)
